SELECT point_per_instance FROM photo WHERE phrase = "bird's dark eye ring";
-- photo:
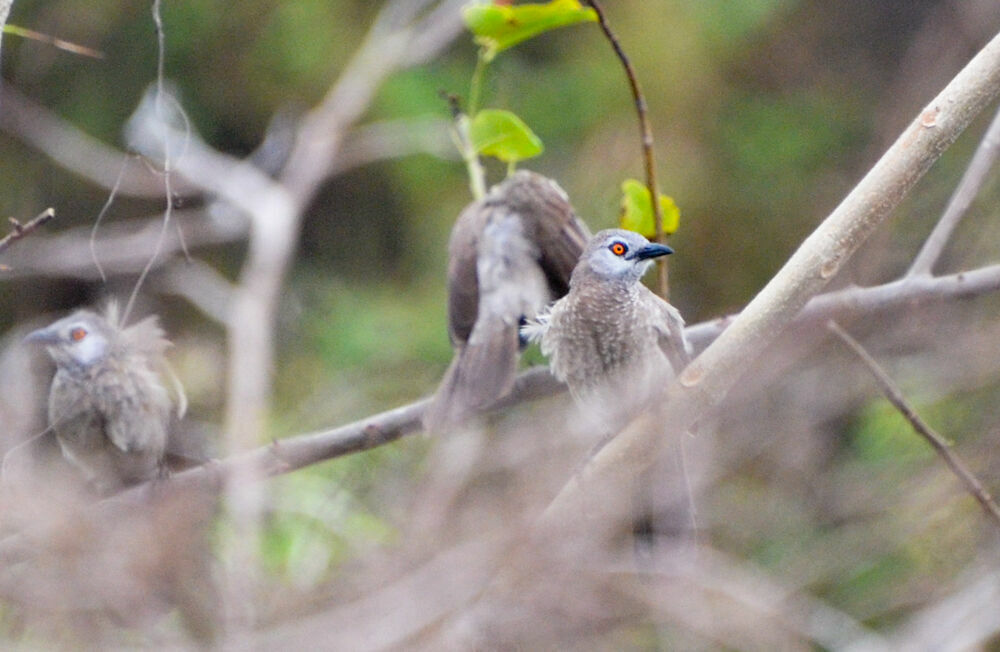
(78, 334)
(618, 248)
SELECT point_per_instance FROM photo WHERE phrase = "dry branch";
(19, 230)
(79, 153)
(922, 428)
(122, 247)
(966, 191)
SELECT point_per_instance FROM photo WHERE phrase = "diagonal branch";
(980, 165)
(21, 230)
(937, 442)
(78, 152)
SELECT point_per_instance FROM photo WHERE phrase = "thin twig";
(21, 230)
(647, 143)
(937, 442)
(59, 43)
(980, 165)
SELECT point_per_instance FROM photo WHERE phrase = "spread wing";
(463, 285)
(509, 255)
(553, 225)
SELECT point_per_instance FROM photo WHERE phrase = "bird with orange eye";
(108, 406)
(620, 256)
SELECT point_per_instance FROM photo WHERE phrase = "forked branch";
(21, 230)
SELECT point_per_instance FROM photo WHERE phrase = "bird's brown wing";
(463, 286)
(551, 221)
(670, 328)
(509, 255)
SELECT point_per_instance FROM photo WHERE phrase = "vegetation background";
(766, 113)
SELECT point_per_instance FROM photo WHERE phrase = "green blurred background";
(765, 112)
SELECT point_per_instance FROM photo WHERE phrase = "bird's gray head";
(80, 340)
(618, 255)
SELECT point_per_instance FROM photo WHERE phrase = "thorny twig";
(21, 230)
(937, 442)
(647, 143)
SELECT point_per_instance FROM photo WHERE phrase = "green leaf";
(503, 135)
(499, 27)
(637, 210)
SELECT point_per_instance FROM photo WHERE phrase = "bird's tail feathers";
(481, 373)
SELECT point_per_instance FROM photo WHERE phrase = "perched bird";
(510, 254)
(107, 404)
(611, 340)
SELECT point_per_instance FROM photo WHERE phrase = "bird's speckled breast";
(600, 335)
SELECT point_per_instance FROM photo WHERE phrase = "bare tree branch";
(122, 247)
(202, 285)
(753, 589)
(392, 139)
(21, 230)
(937, 442)
(980, 165)
(382, 52)
(77, 152)
(852, 302)
(961, 621)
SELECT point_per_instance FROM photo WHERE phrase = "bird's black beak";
(41, 336)
(652, 250)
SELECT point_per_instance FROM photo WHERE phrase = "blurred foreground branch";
(937, 442)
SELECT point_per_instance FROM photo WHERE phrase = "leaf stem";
(647, 142)
(463, 142)
(475, 84)
(477, 177)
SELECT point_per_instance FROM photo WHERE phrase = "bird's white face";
(621, 255)
(83, 345)
(75, 339)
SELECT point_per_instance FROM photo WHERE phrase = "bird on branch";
(510, 254)
(108, 406)
(610, 339)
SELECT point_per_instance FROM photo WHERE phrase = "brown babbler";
(510, 254)
(108, 406)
